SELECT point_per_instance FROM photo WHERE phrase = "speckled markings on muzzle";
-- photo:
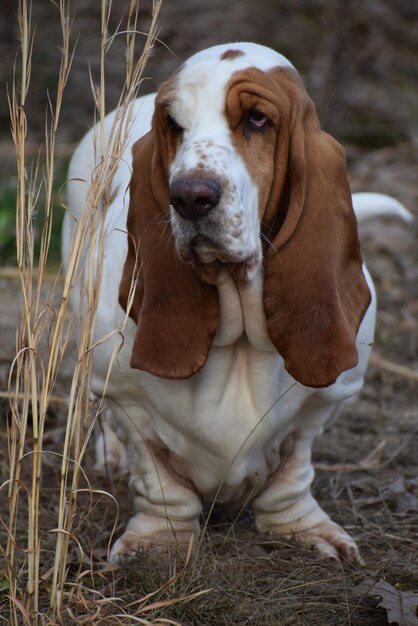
(230, 231)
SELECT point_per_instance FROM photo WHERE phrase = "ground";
(362, 71)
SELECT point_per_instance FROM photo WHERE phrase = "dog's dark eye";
(173, 125)
(257, 120)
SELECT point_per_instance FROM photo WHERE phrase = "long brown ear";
(315, 293)
(175, 312)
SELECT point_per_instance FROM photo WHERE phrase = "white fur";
(225, 429)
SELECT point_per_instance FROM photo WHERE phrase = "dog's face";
(220, 130)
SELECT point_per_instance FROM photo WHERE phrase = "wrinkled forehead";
(203, 78)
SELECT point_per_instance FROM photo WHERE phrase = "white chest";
(225, 424)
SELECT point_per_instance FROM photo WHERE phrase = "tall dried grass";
(42, 589)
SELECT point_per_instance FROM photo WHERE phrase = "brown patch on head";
(229, 55)
(248, 90)
(315, 293)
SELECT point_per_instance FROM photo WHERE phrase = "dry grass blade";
(183, 599)
(371, 462)
(20, 396)
(393, 368)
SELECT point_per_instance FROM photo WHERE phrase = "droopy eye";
(257, 120)
(173, 125)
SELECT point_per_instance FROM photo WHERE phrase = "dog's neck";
(242, 312)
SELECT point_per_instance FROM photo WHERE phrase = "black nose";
(193, 198)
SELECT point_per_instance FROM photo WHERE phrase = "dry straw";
(46, 322)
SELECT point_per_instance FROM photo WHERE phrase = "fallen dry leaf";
(401, 606)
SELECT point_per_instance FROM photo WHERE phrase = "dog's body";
(209, 410)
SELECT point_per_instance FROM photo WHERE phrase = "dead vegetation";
(57, 516)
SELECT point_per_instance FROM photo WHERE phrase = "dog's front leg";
(287, 506)
(167, 510)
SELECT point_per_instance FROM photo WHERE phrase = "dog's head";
(235, 173)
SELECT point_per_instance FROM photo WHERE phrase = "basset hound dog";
(231, 242)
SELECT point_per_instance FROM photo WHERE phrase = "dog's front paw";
(145, 532)
(305, 521)
(330, 540)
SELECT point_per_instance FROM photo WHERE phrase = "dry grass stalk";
(372, 461)
(393, 368)
(33, 374)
